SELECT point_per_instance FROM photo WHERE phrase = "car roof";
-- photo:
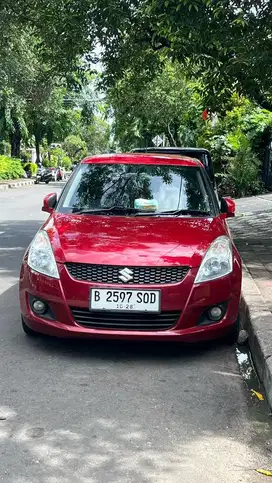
(143, 158)
(172, 149)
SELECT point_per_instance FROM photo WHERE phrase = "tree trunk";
(15, 140)
(37, 146)
(171, 135)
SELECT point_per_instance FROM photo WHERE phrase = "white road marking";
(12, 249)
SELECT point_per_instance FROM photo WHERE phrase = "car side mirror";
(49, 202)
(228, 207)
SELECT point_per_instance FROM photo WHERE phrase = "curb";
(256, 318)
(15, 184)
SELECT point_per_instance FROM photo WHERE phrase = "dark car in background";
(201, 154)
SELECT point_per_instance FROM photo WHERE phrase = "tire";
(232, 337)
(29, 332)
(47, 182)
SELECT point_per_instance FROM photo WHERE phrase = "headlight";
(41, 257)
(217, 262)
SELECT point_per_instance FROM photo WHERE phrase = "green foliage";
(75, 147)
(25, 156)
(150, 48)
(10, 168)
(167, 105)
(58, 157)
(237, 145)
(97, 136)
(242, 175)
(32, 167)
(4, 148)
(228, 44)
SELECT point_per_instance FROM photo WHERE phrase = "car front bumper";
(188, 300)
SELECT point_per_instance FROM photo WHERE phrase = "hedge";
(10, 168)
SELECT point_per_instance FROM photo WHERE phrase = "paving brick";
(252, 235)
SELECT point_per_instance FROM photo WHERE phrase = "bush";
(242, 175)
(220, 149)
(32, 167)
(25, 156)
(46, 163)
(58, 157)
(10, 168)
(244, 172)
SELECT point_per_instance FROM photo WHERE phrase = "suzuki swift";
(136, 247)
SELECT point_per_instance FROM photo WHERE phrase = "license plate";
(125, 300)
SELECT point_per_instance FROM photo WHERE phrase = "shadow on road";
(93, 411)
(107, 350)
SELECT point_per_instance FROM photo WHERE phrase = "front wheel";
(28, 331)
(232, 337)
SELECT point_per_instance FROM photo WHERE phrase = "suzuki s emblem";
(126, 275)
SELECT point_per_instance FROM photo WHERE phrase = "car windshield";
(134, 189)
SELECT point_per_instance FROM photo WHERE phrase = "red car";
(136, 247)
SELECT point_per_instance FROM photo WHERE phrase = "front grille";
(141, 275)
(124, 321)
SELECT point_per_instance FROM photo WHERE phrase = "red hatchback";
(136, 247)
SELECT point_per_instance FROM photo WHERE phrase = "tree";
(227, 43)
(31, 88)
(168, 105)
(97, 136)
(17, 73)
(50, 115)
(75, 147)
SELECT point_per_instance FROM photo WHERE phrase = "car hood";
(134, 241)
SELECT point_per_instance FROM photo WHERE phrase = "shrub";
(25, 156)
(242, 175)
(46, 163)
(10, 168)
(244, 172)
(220, 149)
(33, 167)
(58, 157)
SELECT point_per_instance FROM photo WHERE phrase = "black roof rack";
(169, 150)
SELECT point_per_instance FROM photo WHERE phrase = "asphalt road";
(100, 412)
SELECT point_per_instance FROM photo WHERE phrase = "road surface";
(97, 412)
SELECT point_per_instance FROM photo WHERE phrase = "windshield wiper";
(175, 213)
(186, 212)
(113, 210)
(107, 211)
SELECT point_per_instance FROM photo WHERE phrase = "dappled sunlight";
(125, 453)
(228, 374)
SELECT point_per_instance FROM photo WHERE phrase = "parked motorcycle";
(43, 175)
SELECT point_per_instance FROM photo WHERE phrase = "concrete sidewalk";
(252, 231)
